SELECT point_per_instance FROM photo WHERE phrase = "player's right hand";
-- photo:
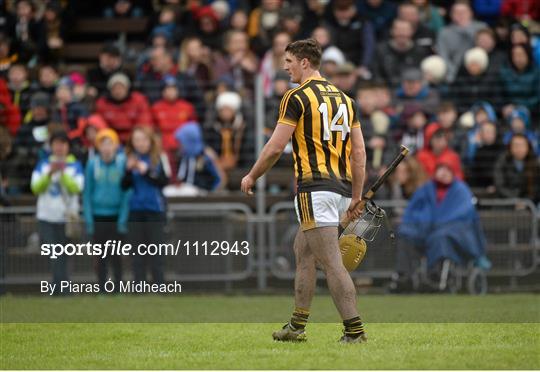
(247, 184)
(355, 209)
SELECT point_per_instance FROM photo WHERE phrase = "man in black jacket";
(398, 53)
(352, 34)
(422, 36)
(110, 62)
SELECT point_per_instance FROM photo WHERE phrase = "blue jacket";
(531, 137)
(103, 194)
(199, 171)
(448, 229)
(522, 113)
(472, 145)
(146, 188)
(196, 166)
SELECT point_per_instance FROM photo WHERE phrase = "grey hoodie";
(452, 43)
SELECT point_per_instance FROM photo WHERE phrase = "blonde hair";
(183, 61)
(155, 143)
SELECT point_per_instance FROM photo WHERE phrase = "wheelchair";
(452, 279)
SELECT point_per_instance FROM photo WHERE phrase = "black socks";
(299, 318)
(353, 327)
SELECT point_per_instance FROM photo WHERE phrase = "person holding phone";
(57, 181)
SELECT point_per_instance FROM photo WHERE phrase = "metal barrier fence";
(192, 224)
(224, 222)
(511, 228)
(511, 232)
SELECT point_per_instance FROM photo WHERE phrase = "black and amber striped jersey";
(323, 117)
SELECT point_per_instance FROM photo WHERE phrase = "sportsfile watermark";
(121, 248)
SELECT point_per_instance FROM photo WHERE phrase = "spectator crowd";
(458, 82)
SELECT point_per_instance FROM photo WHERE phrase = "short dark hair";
(59, 135)
(307, 48)
(111, 49)
(446, 106)
(48, 65)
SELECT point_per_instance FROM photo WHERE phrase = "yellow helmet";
(353, 249)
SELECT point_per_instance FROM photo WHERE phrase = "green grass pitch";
(204, 332)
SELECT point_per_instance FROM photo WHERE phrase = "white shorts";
(319, 208)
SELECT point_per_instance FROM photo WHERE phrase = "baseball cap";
(40, 99)
(411, 74)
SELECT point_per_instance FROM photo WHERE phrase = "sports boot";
(353, 340)
(289, 333)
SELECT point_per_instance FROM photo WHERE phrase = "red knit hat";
(207, 11)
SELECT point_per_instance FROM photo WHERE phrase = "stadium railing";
(189, 226)
(512, 236)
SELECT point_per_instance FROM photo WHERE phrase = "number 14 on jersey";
(333, 126)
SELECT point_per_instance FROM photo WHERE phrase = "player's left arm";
(358, 162)
(358, 167)
(269, 155)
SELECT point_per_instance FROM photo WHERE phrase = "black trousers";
(105, 228)
(147, 228)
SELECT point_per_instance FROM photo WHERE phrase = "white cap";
(221, 7)
(118, 78)
(229, 99)
(333, 54)
(435, 67)
(466, 120)
(477, 55)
